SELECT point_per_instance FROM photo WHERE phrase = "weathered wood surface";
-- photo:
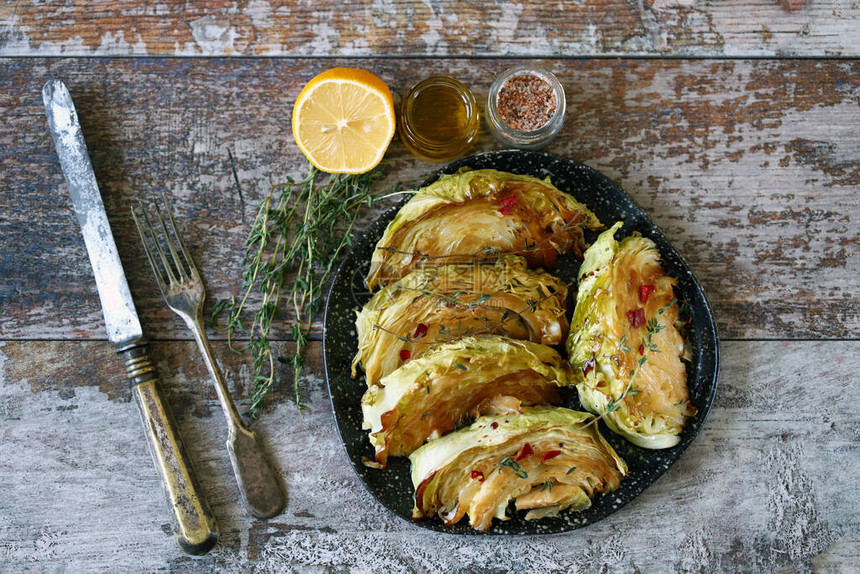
(733, 28)
(745, 157)
(750, 167)
(769, 485)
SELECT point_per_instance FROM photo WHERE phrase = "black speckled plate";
(392, 486)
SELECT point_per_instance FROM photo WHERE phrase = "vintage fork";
(183, 291)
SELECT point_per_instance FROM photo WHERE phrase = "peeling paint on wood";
(750, 168)
(746, 158)
(731, 28)
(767, 485)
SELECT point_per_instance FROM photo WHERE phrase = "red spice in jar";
(526, 102)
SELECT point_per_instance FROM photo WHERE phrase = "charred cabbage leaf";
(440, 304)
(625, 345)
(477, 215)
(455, 382)
(546, 459)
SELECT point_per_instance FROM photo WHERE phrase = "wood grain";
(750, 168)
(438, 28)
(734, 124)
(769, 484)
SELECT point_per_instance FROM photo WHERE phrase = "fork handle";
(192, 521)
(258, 484)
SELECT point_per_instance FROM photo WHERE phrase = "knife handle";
(191, 519)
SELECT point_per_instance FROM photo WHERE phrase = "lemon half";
(343, 120)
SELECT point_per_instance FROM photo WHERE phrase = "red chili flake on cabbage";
(495, 425)
(405, 354)
(508, 204)
(645, 292)
(637, 317)
(587, 366)
(420, 331)
(478, 475)
(527, 450)
(548, 455)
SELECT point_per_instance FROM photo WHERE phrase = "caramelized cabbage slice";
(624, 344)
(430, 396)
(445, 303)
(546, 459)
(478, 215)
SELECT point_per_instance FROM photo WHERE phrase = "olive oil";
(439, 119)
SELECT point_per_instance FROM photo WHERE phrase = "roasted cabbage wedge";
(402, 320)
(455, 382)
(478, 215)
(546, 459)
(625, 346)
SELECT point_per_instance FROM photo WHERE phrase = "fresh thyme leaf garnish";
(514, 466)
(466, 420)
(666, 306)
(447, 332)
(489, 252)
(654, 326)
(301, 230)
(631, 390)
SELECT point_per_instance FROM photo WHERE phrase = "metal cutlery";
(192, 521)
(184, 293)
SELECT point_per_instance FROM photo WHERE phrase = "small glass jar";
(439, 119)
(526, 107)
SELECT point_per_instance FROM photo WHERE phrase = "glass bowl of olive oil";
(439, 119)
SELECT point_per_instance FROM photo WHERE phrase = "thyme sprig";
(614, 403)
(446, 332)
(514, 466)
(479, 299)
(301, 229)
(647, 345)
(489, 252)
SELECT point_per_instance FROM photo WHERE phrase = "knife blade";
(191, 519)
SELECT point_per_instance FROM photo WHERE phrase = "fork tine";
(147, 237)
(171, 247)
(192, 270)
(171, 278)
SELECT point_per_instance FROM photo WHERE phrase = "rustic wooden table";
(735, 125)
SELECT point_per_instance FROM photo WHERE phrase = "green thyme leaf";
(514, 466)
(300, 231)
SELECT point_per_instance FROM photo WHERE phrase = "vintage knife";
(192, 520)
